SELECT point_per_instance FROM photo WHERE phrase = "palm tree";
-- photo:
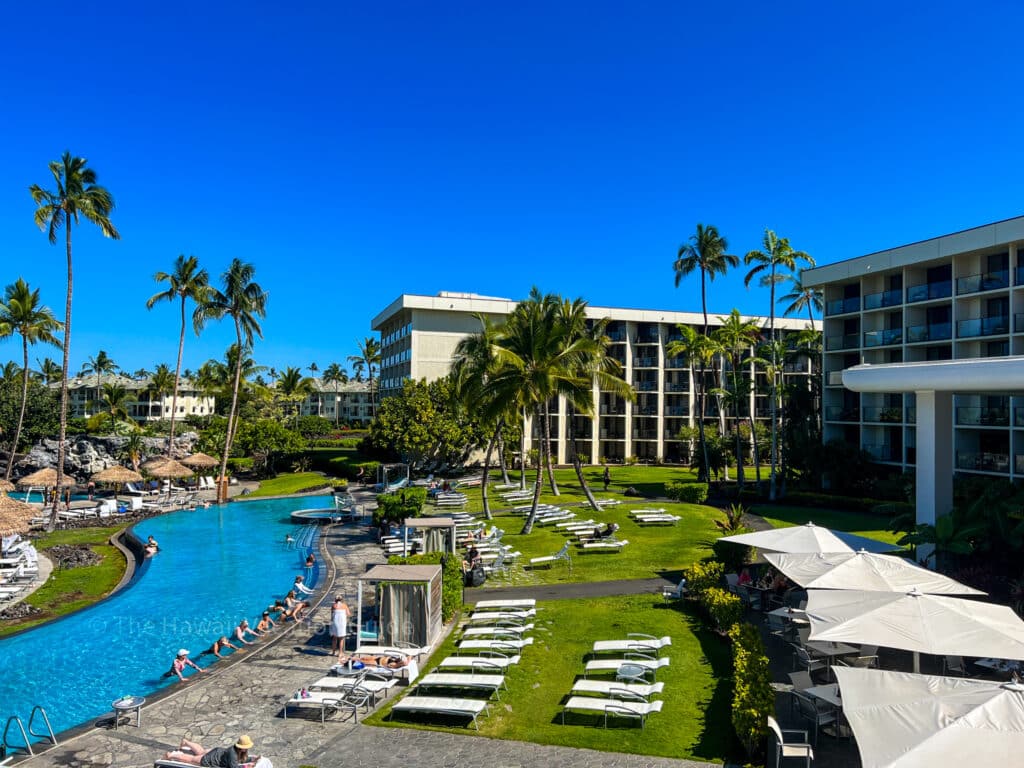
(335, 374)
(369, 355)
(357, 368)
(21, 313)
(134, 449)
(185, 281)
(314, 368)
(243, 301)
(734, 338)
(10, 370)
(115, 400)
(99, 366)
(706, 253)
(698, 351)
(161, 383)
(777, 253)
(75, 196)
(803, 297)
(49, 370)
(293, 387)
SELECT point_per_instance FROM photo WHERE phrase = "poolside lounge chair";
(676, 592)
(521, 604)
(617, 690)
(409, 671)
(613, 665)
(638, 710)
(490, 664)
(503, 616)
(605, 545)
(510, 644)
(484, 682)
(634, 642)
(515, 630)
(658, 520)
(328, 702)
(398, 649)
(646, 512)
(439, 705)
(562, 554)
(370, 682)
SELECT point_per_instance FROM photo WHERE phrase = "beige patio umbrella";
(200, 460)
(15, 515)
(46, 477)
(6, 485)
(169, 469)
(117, 475)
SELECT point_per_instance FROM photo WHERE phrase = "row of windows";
(401, 357)
(394, 336)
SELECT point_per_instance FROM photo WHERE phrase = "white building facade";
(347, 403)
(85, 398)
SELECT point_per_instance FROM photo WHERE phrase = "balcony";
(1019, 276)
(883, 338)
(616, 336)
(646, 338)
(645, 386)
(676, 363)
(983, 462)
(613, 410)
(843, 306)
(986, 281)
(677, 386)
(911, 414)
(645, 362)
(884, 452)
(677, 410)
(883, 299)
(834, 378)
(1018, 322)
(933, 332)
(1018, 415)
(645, 410)
(847, 341)
(928, 291)
(796, 368)
(883, 414)
(841, 413)
(982, 326)
(1018, 465)
(611, 434)
(645, 434)
(970, 416)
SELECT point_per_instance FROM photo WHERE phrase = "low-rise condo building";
(419, 335)
(85, 398)
(347, 402)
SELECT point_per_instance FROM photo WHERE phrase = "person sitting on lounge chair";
(219, 757)
(605, 533)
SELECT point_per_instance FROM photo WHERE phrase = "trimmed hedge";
(723, 608)
(396, 507)
(701, 577)
(451, 578)
(753, 699)
(687, 491)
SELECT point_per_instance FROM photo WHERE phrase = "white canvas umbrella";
(808, 538)
(915, 622)
(865, 571)
(902, 720)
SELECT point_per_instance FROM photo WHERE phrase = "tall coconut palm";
(115, 400)
(698, 351)
(369, 355)
(292, 387)
(99, 366)
(75, 196)
(777, 255)
(49, 370)
(134, 449)
(244, 301)
(734, 339)
(185, 281)
(801, 297)
(336, 375)
(22, 314)
(161, 383)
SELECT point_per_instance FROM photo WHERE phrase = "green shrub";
(845, 503)
(396, 507)
(237, 465)
(687, 491)
(703, 576)
(723, 608)
(735, 557)
(753, 698)
(451, 578)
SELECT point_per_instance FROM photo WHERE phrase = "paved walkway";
(247, 697)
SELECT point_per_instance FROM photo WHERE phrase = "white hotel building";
(955, 297)
(419, 335)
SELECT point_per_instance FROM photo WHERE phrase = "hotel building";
(955, 297)
(85, 398)
(348, 403)
(419, 334)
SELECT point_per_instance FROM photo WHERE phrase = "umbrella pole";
(917, 663)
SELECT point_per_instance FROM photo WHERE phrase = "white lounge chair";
(645, 512)
(605, 545)
(502, 616)
(658, 520)
(634, 642)
(521, 604)
(325, 701)
(371, 682)
(491, 683)
(509, 644)
(398, 649)
(507, 631)
(637, 710)
(614, 665)
(494, 663)
(676, 592)
(562, 554)
(439, 705)
(617, 690)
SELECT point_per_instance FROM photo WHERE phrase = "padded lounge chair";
(439, 705)
(634, 641)
(522, 604)
(613, 665)
(638, 710)
(512, 617)
(328, 702)
(493, 664)
(562, 554)
(483, 682)
(376, 685)
(506, 644)
(617, 690)
(605, 545)
(515, 630)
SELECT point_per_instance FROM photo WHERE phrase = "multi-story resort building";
(419, 335)
(348, 403)
(85, 398)
(955, 297)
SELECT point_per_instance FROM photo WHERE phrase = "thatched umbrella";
(200, 460)
(15, 515)
(169, 469)
(46, 477)
(6, 485)
(117, 475)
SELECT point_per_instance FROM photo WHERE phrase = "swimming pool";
(36, 496)
(215, 567)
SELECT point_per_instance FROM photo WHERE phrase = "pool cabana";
(438, 533)
(408, 602)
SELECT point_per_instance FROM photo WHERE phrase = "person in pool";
(298, 586)
(311, 560)
(219, 645)
(265, 624)
(219, 757)
(242, 630)
(181, 661)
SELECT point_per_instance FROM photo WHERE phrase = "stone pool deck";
(247, 697)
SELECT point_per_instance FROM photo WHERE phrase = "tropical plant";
(336, 375)
(134, 449)
(734, 339)
(244, 301)
(115, 400)
(369, 355)
(161, 383)
(734, 519)
(49, 370)
(76, 195)
(99, 366)
(704, 253)
(699, 351)
(292, 387)
(22, 314)
(801, 297)
(185, 281)
(777, 254)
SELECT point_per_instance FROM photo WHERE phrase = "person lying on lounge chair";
(219, 645)
(391, 662)
(295, 614)
(219, 757)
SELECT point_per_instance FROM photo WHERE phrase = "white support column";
(562, 443)
(934, 459)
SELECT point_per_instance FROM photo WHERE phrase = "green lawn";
(693, 722)
(69, 590)
(863, 524)
(287, 483)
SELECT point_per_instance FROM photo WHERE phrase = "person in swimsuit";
(181, 661)
(298, 586)
(242, 630)
(391, 662)
(339, 624)
(219, 645)
(218, 757)
(265, 624)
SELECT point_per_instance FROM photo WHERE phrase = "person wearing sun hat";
(180, 662)
(218, 757)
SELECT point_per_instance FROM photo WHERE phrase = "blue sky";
(356, 151)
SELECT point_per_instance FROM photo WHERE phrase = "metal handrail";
(46, 720)
(21, 727)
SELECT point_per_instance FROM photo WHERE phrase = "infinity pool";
(215, 567)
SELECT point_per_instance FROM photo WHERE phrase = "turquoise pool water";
(36, 497)
(215, 567)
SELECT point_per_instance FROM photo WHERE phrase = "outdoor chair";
(801, 680)
(862, 662)
(788, 750)
(562, 554)
(818, 713)
(778, 626)
(954, 665)
(635, 710)
(674, 593)
(803, 660)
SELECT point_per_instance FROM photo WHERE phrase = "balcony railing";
(645, 434)
(834, 379)
(928, 291)
(677, 410)
(646, 339)
(795, 368)
(986, 281)
(910, 414)
(971, 416)
(1019, 276)
(932, 332)
(982, 326)
(883, 338)
(847, 341)
(645, 386)
(645, 410)
(613, 410)
(645, 362)
(883, 299)
(843, 306)
(841, 413)
(612, 435)
(1018, 415)
(883, 414)
(1018, 322)
(677, 386)
(983, 462)
(676, 363)
(617, 336)
(884, 452)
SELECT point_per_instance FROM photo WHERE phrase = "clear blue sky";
(356, 151)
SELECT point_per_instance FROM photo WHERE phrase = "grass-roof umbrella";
(46, 477)
(200, 460)
(15, 515)
(169, 469)
(117, 475)
(6, 485)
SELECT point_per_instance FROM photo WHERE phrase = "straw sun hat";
(244, 742)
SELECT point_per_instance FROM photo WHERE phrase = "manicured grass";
(69, 590)
(863, 524)
(295, 482)
(694, 721)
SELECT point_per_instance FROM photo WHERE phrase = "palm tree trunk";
(487, 470)
(222, 489)
(501, 454)
(61, 448)
(757, 453)
(21, 411)
(177, 379)
(703, 473)
(528, 525)
(522, 454)
(775, 426)
(546, 431)
(736, 429)
(578, 465)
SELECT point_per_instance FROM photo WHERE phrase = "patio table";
(795, 615)
(829, 693)
(831, 649)
(762, 593)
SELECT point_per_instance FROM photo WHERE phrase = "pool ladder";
(15, 720)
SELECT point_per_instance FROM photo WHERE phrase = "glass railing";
(613, 410)
(675, 363)
(883, 299)
(883, 338)
(646, 339)
(677, 410)
(606, 435)
(841, 413)
(933, 332)
(883, 414)
(1018, 278)
(971, 416)
(842, 306)
(834, 379)
(883, 452)
(982, 326)
(645, 434)
(1018, 322)
(983, 461)
(986, 281)
(1018, 415)
(645, 410)
(645, 386)
(928, 291)
(1018, 465)
(677, 386)
(616, 335)
(795, 368)
(645, 362)
(848, 341)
